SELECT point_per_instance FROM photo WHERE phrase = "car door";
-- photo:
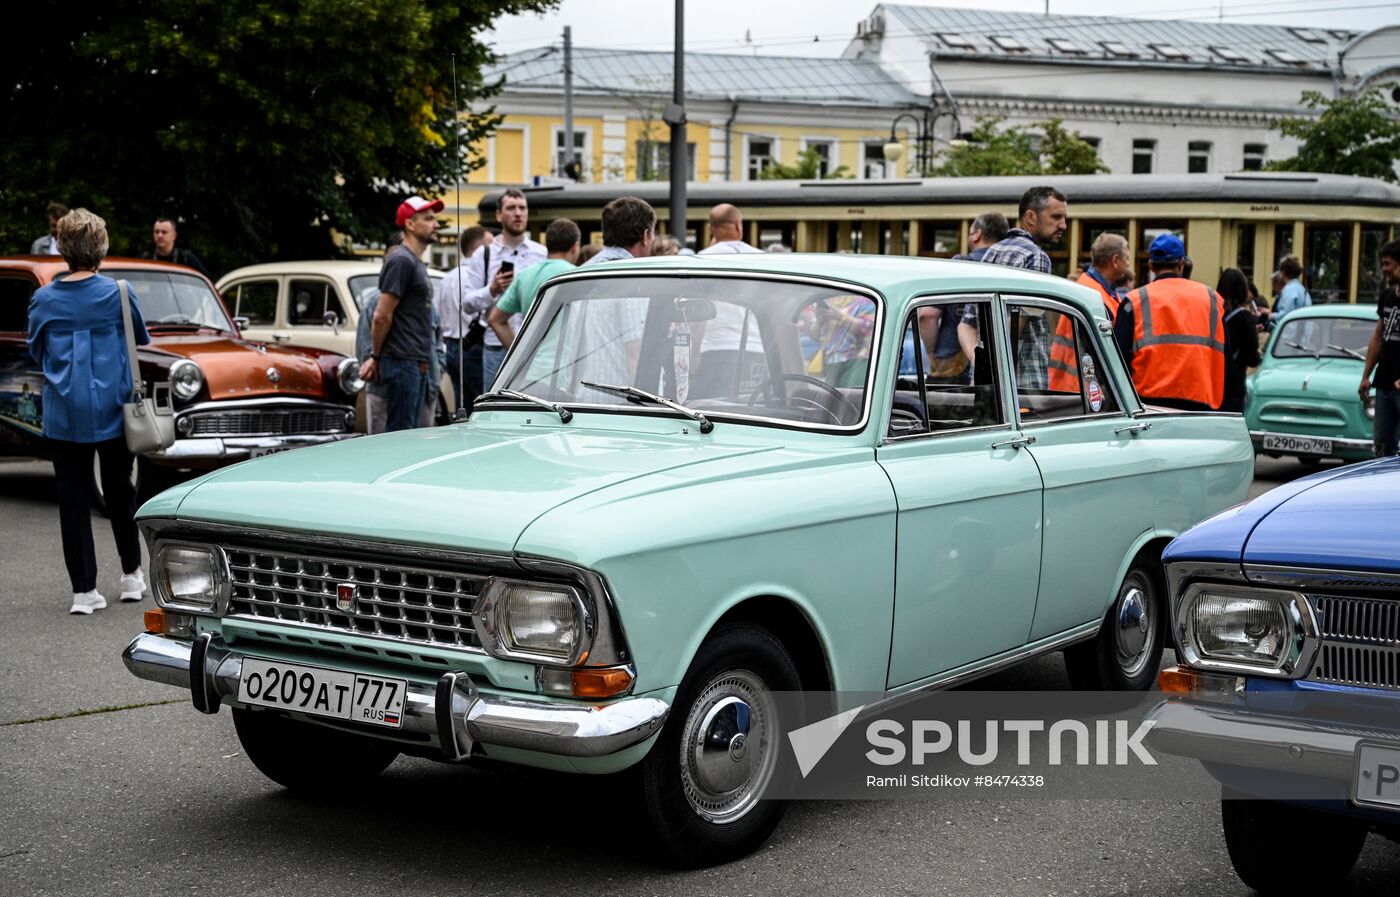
(21, 380)
(1092, 460)
(255, 299)
(309, 299)
(967, 553)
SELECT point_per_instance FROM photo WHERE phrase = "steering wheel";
(766, 387)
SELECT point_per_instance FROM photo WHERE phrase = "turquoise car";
(697, 483)
(1302, 398)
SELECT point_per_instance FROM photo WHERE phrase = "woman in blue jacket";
(76, 336)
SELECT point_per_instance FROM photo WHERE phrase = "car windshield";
(726, 347)
(170, 297)
(1324, 337)
(364, 287)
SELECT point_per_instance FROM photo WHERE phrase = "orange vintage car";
(234, 398)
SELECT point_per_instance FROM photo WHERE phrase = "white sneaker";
(133, 585)
(87, 602)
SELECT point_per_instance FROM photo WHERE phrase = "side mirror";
(333, 321)
(242, 323)
(692, 310)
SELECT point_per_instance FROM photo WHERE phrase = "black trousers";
(73, 466)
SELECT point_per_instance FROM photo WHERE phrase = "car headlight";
(186, 379)
(1266, 631)
(191, 577)
(533, 621)
(347, 374)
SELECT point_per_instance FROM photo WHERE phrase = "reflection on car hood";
(1325, 378)
(235, 368)
(470, 486)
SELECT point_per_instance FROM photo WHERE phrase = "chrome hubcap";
(1134, 630)
(727, 754)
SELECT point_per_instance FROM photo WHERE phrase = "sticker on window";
(1091, 383)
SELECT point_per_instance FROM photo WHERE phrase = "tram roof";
(1263, 188)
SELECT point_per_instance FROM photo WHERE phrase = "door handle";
(282, 337)
(1015, 442)
(1132, 428)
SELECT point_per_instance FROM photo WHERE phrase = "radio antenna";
(460, 412)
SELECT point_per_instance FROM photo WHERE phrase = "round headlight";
(347, 374)
(186, 379)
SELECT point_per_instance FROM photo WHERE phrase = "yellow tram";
(1333, 223)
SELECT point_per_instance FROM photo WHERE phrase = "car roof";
(896, 277)
(47, 267)
(1334, 310)
(310, 266)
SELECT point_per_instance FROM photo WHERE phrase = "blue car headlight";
(1271, 632)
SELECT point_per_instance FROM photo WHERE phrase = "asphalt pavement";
(111, 785)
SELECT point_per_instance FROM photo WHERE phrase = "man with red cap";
(402, 330)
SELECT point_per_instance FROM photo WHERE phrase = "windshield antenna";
(460, 412)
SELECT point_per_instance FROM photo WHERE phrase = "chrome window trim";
(1296, 661)
(1059, 305)
(223, 579)
(600, 271)
(1317, 578)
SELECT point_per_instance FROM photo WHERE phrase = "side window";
(14, 303)
(255, 300)
(309, 300)
(1059, 370)
(947, 375)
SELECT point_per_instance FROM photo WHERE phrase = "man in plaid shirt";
(1043, 216)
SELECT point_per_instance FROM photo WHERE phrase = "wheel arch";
(790, 624)
(1148, 546)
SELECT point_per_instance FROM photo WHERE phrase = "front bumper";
(213, 451)
(1339, 444)
(453, 711)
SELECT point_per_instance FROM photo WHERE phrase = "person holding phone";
(491, 271)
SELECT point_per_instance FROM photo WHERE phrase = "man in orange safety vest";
(1109, 269)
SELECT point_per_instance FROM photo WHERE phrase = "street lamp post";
(924, 137)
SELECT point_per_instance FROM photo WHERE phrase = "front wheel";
(306, 757)
(1257, 833)
(701, 785)
(1127, 653)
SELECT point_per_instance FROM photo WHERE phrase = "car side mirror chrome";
(333, 321)
(242, 322)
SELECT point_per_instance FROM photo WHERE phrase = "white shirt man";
(716, 373)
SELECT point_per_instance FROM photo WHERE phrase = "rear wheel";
(1127, 653)
(306, 757)
(702, 783)
(1258, 831)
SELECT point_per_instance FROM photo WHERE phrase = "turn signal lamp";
(1180, 681)
(589, 682)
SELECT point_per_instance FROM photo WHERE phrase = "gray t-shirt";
(411, 332)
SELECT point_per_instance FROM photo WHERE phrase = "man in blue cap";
(1172, 334)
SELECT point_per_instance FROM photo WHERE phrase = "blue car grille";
(389, 601)
(1360, 641)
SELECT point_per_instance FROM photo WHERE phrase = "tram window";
(1283, 241)
(1089, 231)
(1144, 153)
(1244, 255)
(1369, 281)
(939, 239)
(1326, 263)
(1254, 154)
(1150, 231)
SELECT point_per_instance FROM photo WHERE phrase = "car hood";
(1348, 521)
(1326, 378)
(235, 368)
(472, 487)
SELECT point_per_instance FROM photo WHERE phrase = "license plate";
(271, 450)
(372, 700)
(1301, 445)
(1377, 778)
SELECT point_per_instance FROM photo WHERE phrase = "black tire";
(1127, 653)
(690, 815)
(306, 757)
(1257, 833)
(1310, 460)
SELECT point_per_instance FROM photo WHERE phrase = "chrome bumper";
(1351, 445)
(222, 449)
(452, 711)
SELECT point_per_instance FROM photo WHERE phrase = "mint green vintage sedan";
(1302, 398)
(698, 482)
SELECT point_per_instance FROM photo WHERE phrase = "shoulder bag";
(149, 421)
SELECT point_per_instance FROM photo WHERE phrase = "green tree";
(807, 168)
(1357, 135)
(260, 127)
(993, 150)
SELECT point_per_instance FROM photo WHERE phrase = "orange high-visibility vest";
(1178, 342)
(1064, 366)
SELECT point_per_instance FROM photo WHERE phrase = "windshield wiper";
(641, 395)
(565, 415)
(1294, 344)
(1354, 353)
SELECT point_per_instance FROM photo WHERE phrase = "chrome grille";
(1360, 641)
(269, 422)
(399, 602)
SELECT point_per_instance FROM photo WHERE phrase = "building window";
(826, 155)
(1254, 156)
(582, 153)
(654, 160)
(1198, 156)
(1144, 152)
(873, 164)
(759, 156)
